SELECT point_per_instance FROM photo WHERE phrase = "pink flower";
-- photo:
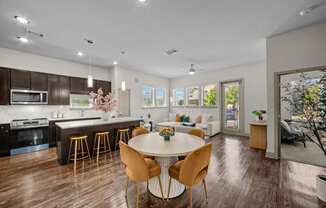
(104, 103)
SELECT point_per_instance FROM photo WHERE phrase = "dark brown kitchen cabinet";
(58, 90)
(53, 90)
(106, 86)
(4, 86)
(20, 79)
(39, 81)
(4, 140)
(78, 85)
(64, 83)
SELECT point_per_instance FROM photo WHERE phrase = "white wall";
(299, 49)
(27, 61)
(134, 81)
(254, 80)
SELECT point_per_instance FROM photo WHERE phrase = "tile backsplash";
(10, 112)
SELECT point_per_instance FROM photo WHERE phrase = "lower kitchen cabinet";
(4, 140)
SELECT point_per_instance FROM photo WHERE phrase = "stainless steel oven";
(29, 135)
(28, 97)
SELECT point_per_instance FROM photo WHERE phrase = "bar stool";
(101, 144)
(123, 135)
(78, 141)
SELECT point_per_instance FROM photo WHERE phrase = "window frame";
(184, 97)
(164, 97)
(199, 96)
(153, 96)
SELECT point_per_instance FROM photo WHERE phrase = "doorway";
(232, 106)
(302, 132)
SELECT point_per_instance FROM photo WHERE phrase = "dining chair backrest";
(139, 131)
(134, 162)
(195, 164)
(197, 132)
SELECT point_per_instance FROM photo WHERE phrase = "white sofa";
(210, 126)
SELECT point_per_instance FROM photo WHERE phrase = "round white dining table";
(166, 153)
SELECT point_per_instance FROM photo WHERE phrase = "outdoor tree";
(307, 99)
(232, 95)
(210, 99)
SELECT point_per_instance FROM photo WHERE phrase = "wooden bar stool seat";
(123, 135)
(79, 154)
(101, 144)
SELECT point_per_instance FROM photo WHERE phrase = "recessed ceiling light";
(142, 1)
(80, 53)
(115, 63)
(312, 8)
(21, 20)
(306, 11)
(23, 39)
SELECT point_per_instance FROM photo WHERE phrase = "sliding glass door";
(232, 106)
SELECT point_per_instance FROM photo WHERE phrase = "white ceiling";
(212, 34)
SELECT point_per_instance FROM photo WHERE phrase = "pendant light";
(90, 81)
(123, 85)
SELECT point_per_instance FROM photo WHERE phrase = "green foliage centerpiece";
(166, 133)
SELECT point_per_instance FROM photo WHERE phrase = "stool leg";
(108, 141)
(75, 159)
(104, 144)
(89, 154)
(98, 148)
(117, 139)
(69, 156)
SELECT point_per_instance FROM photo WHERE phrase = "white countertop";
(153, 144)
(94, 122)
(73, 118)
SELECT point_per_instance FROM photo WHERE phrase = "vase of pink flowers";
(104, 103)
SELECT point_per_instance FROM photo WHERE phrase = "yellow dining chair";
(197, 132)
(138, 168)
(139, 131)
(192, 170)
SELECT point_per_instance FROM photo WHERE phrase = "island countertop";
(94, 122)
(66, 130)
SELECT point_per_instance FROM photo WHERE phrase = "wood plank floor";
(238, 177)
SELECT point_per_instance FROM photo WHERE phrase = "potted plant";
(166, 133)
(105, 103)
(258, 114)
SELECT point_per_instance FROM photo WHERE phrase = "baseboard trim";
(272, 155)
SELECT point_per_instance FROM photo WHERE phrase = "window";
(80, 101)
(193, 96)
(148, 96)
(160, 97)
(209, 95)
(179, 97)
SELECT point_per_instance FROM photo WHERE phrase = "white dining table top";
(154, 145)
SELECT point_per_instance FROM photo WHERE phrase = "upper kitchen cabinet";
(4, 86)
(20, 79)
(78, 85)
(58, 89)
(64, 83)
(39, 81)
(106, 86)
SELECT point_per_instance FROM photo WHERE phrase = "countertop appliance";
(29, 135)
(28, 97)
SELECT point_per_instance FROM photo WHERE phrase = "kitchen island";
(65, 130)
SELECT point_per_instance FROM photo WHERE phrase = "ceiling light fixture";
(123, 85)
(23, 39)
(142, 1)
(90, 80)
(192, 70)
(80, 53)
(310, 9)
(21, 20)
(115, 63)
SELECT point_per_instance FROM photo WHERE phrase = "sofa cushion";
(198, 119)
(205, 119)
(201, 125)
(185, 119)
(172, 116)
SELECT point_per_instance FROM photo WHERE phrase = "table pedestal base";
(154, 187)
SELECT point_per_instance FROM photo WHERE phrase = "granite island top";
(94, 122)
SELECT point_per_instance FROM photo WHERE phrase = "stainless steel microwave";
(28, 97)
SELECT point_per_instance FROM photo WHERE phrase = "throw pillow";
(186, 119)
(177, 118)
(182, 118)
